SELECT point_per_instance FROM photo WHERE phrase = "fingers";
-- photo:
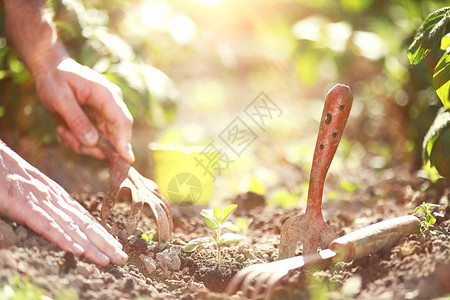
(77, 121)
(68, 88)
(71, 141)
(68, 222)
(118, 123)
(39, 221)
(96, 234)
(73, 230)
(96, 240)
(37, 201)
(106, 98)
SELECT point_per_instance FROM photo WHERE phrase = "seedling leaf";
(430, 219)
(217, 220)
(217, 215)
(440, 123)
(445, 42)
(428, 35)
(208, 216)
(227, 224)
(241, 225)
(198, 244)
(441, 79)
(231, 238)
(148, 237)
(227, 211)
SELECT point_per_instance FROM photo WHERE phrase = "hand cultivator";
(310, 229)
(260, 278)
(126, 179)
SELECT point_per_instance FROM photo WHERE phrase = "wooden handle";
(373, 238)
(334, 117)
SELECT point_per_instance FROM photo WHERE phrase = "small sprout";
(429, 218)
(147, 237)
(215, 219)
(241, 225)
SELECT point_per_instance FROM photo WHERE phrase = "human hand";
(29, 197)
(68, 89)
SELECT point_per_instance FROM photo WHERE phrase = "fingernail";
(120, 257)
(103, 259)
(77, 250)
(90, 138)
(130, 153)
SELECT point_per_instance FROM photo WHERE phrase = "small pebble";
(149, 263)
(85, 270)
(21, 233)
(169, 259)
(123, 235)
(196, 286)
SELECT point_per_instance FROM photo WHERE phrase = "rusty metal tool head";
(126, 181)
(262, 278)
(310, 228)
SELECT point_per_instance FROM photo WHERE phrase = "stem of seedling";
(215, 219)
(218, 246)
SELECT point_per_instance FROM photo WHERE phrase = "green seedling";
(241, 225)
(147, 237)
(429, 218)
(215, 219)
(21, 288)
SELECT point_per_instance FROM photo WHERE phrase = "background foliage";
(207, 59)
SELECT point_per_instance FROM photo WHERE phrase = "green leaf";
(148, 237)
(226, 224)
(217, 214)
(445, 41)
(441, 79)
(208, 216)
(428, 35)
(231, 238)
(198, 244)
(440, 123)
(430, 219)
(233, 227)
(417, 209)
(226, 212)
(241, 225)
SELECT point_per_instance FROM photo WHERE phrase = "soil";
(418, 267)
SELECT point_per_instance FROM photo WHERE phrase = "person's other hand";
(67, 89)
(29, 197)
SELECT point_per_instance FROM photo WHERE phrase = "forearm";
(30, 30)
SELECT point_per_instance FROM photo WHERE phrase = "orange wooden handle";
(334, 117)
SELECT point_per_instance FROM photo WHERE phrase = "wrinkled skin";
(65, 88)
(31, 198)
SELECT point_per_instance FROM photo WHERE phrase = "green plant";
(147, 237)
(241, 225)
(215, 219)
(434, 31)
(21, 288)
(429, 218)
